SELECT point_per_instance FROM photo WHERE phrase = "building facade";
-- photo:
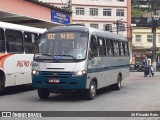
(101, 14)
(142, 43)
(142, 39)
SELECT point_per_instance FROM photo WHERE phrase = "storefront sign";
(60, 17)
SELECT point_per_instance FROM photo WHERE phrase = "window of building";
(119, 12)
(138, 38)
(79, 11)
(106, 12)
(94, 25)
(2, 41)
(94, 11)
(101, 47)
(107, 27)
(149, 38)
(30, 40)
(14, 41)
(121, 27)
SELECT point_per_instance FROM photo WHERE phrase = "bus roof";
(81, 28)
(21, 27)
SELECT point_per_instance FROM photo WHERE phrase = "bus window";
(14, 41)
(30, 40)
(2, 41)
(116, 48)
(93, 45)
(121, 46)
(109, 47)
(126, 49)
(101, 47)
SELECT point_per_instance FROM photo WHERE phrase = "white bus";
(79, 58)
(17, 43)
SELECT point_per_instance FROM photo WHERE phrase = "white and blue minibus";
(79, 58)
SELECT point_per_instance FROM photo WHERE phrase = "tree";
(137, 12)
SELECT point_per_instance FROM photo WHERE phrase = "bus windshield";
(64, 45)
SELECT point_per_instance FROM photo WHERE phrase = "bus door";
(14, 64)
(93, 53)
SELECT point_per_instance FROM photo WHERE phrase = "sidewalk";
(140, 76)
(146, 89)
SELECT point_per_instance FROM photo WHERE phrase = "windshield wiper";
(44, 55)
(68, 56)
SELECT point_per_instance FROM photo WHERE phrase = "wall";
(26, 8)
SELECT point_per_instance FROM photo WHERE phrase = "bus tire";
(117, 86)
(91, 92)
(2, 81)
(43, 93)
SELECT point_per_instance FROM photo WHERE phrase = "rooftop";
(50, 6)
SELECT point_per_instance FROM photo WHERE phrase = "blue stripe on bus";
(101, 69)
(70, 82)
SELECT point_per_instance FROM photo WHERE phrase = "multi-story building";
(142, 39)
(101, 14)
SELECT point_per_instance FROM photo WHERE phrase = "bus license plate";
(53, 80)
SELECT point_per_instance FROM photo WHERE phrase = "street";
(138, 93)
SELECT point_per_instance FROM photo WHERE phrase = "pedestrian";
(145, 64)
(149, 66)
(152, 71)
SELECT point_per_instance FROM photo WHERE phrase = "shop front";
(139, 54)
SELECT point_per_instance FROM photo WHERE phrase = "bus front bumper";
(61, 82)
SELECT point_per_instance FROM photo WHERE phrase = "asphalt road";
(138, 93)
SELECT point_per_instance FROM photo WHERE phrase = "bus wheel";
(43, 93)
(2, 81)
(117, 86)
(1, 87)
(91, 93)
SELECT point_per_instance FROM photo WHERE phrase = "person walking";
(145, 64)
(150, 68)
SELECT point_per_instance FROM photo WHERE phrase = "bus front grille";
(56, 74)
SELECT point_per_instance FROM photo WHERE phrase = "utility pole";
(70, 5)
(154, 27)
(118, 25)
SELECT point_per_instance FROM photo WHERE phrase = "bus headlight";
(79, 73)
(35, 72)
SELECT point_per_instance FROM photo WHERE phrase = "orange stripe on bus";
(3, 57)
